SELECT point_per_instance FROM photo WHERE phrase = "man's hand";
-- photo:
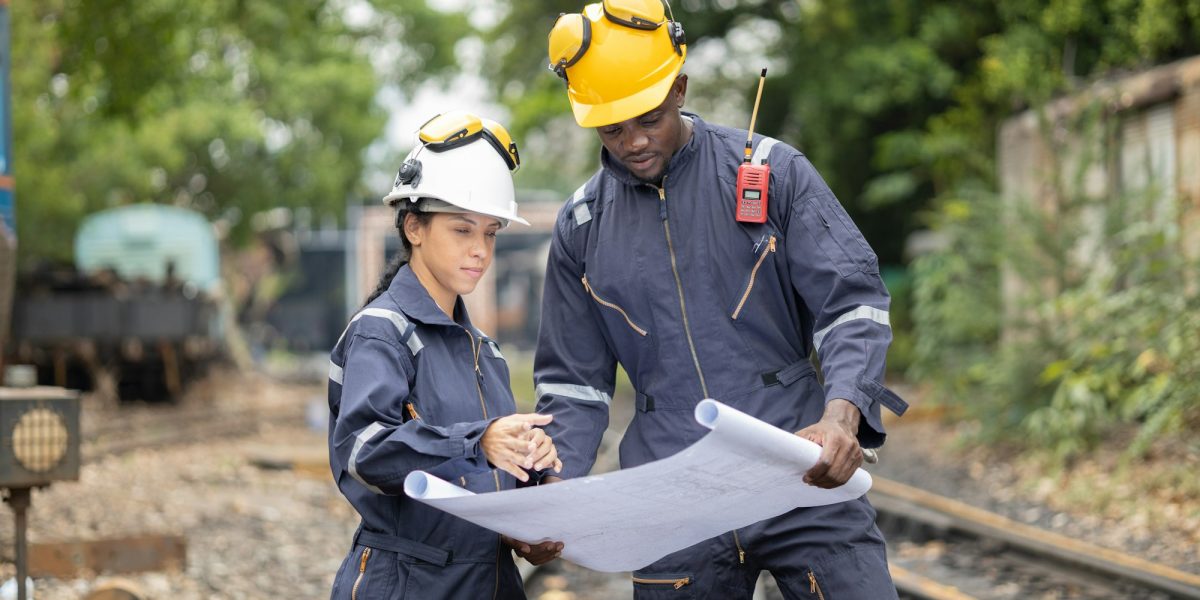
(836, 433)
(512, 444)
(537, 554)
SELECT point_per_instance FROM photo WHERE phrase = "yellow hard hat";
(618, 57)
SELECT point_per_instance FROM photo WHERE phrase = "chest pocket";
(758, 271)
(444, 387)
(628, 326)
(760, 274)
(614, 277)
(605, 299)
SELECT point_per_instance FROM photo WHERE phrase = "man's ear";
(680, 89)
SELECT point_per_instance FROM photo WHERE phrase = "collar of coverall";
(678, 160)
(416, 303)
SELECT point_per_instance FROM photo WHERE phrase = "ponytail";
(402, 256)
(393, 267)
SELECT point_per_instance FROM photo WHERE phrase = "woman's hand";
(543, 453)
(513, 444)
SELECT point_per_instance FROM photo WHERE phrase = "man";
(648, 267)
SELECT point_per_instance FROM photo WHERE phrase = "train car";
(138, 312)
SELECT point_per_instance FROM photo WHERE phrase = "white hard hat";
(464, 161)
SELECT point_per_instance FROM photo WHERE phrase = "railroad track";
(957, 551)
(942, 549)
(126, 430)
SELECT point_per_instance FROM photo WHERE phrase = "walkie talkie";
(753, 180)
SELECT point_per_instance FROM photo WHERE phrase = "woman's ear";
(413, 229)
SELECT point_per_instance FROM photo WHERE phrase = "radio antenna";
(762, 79)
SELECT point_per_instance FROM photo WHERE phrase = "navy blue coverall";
(695, 305)
(411, 389)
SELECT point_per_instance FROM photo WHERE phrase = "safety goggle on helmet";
(453, 129)
(615, 57)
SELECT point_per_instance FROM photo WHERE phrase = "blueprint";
(741, 472)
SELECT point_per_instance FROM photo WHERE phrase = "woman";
(413, 385)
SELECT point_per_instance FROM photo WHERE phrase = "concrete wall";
(1147, 148)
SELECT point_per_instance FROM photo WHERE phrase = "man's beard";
(655, 179)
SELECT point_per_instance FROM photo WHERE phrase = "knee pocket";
(676, 576)
(676, 585)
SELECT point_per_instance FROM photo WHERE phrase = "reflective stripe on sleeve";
(335, 373)
(862, 312)
(569, 390)
(352, 464)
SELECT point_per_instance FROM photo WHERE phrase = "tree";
(228, 107)
(896, 102)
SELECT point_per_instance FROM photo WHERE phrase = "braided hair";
(403, 255)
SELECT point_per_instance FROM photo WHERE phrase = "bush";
(956, 300)
(1091, 341)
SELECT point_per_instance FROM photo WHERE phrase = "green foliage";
(896, 101)
(900, 352)
(956, 304)
(231, 106)
(1101, 323)
(1131, 353)
(227, 107)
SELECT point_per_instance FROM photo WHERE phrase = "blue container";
(142, 241)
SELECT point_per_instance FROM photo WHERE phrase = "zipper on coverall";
(476, 348)
(687, 329)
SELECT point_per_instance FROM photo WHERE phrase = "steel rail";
(906, 502)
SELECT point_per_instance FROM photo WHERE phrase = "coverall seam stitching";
(400, 348)
(395, 345)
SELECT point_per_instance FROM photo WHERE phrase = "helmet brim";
(634, 105)
(396, 198)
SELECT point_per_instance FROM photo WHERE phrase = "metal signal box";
(39, 436)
